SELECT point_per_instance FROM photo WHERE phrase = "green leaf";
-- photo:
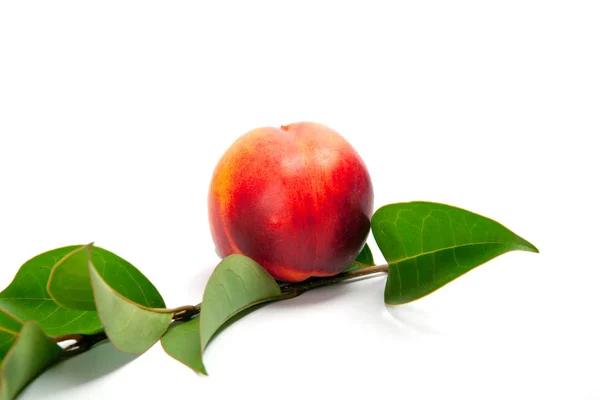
(236, 284)
(69, 283)
(427, 245)
(31, 354)
(364, 260)
(27, 298)
(131, 327)
(9, 330)
(182, 342)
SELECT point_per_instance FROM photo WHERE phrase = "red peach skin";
(296, 199)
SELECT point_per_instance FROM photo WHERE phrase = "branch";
(82, 343)
(296, 289)
(289, 290)
(186, 313)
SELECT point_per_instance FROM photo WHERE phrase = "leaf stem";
(178, 310)
(288, 291)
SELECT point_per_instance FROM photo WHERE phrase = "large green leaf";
(131, 327)
(69, 283)
(9, 330)
(182, 342)
(235, 285)
(31, 354)
(364, 260)
(27, 298)
(428, 245)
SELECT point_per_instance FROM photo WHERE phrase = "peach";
(296, 199)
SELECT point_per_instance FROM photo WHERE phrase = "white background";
(114, 113)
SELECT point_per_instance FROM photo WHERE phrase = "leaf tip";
(528, 246)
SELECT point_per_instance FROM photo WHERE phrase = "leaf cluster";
(87, 294)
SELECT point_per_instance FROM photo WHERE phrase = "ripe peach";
(296, 199)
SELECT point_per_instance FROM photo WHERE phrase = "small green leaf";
(427, 245)
(31, 354)
(27, 298)
(9, 330)
(131, 327)
(364, 260)
(366, 256)
(182, 342)
(69, 283)
(236, 284)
